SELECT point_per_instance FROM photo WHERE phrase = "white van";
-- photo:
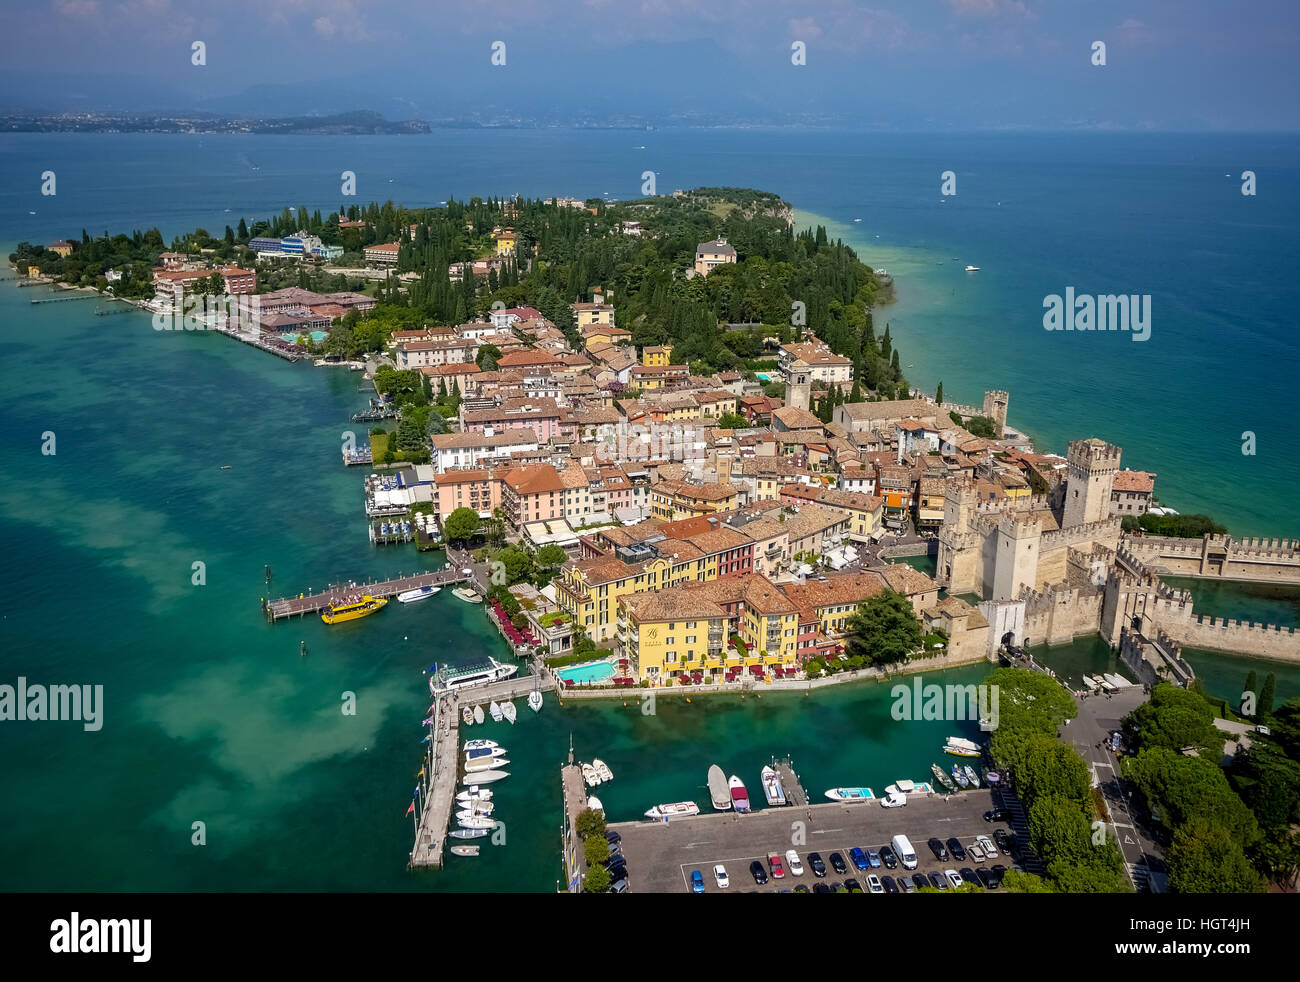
(906, 854)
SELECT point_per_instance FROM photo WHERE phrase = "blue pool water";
(594, 671)
(316, 336)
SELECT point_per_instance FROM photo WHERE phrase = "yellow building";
(591, 314)
(731, 623)
(590, 590)
(865, 511)
(505, 242)
(63, 248)
(656, 355)
(672, 500)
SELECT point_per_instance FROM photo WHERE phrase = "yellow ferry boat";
(364, 607)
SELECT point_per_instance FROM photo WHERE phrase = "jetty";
(314, 603)
(794, 790)
(82, 296)
(438, 785)
(374, 415)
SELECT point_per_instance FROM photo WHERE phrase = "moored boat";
(959, 776)
(942, 777)
(483, 777)
(594, 804)
(420, 593)
(338, 613)
(483, 753)
(495, 710)
(971, 776)
(485, 764)
(961, 747)
(480, 744)
(475, 822)
(602, 769)
(535, 700)
(850, 794)
(589, 775)
(739, 796)
(719, 793)
(467, 715)
(449, 679)
(772, 790)
(468, 833)
(508, 711)
(468, 595)
(464, 850)
(676, 809)
(475, 794)
(478, 714)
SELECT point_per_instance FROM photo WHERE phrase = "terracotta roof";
(1134, 481)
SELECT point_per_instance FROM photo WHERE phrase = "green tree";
(884, 629)
(1173, 718)
(516, 563)
(550, 556)
(732, 421)
(596, 849)
(1266, 696)
(590, 822)
(461, 525)
(1204, 857)
(938, 395)
(596, 880)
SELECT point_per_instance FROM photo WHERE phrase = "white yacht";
(479, 778)
(677, 809)
(421, 593)
(535, 700)
(602, 769)
(450, 679)
(972, 269)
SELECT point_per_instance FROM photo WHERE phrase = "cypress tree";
(1266, 696)
(938, 395)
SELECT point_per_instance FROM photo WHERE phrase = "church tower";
(798, 385)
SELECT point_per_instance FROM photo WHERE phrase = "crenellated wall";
(1220, 556)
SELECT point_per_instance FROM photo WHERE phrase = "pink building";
(540, 415)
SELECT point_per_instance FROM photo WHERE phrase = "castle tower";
(1092, 466)
(798, 385)
(1015, 563)
(995, 408)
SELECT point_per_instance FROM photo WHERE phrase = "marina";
(314, 603)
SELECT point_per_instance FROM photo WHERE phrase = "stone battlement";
(1090, 531)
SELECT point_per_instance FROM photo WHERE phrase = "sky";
(887, 64)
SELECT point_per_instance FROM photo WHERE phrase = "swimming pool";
(592, 671)
(317, 336)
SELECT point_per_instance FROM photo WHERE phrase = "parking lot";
(661, 856)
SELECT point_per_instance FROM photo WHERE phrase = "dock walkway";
(439, 786)
(794, 791)
(314, 603)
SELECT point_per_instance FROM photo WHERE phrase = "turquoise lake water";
(211, 715)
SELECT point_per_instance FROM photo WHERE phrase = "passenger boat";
(971, 776)
(478, 714)
(495, 709)
(972, 269)
(602, 769)
(942, 777)
(468, 833)
(677, 809)
(467, 715)
(1118, 681)
(451, 679)
(485, 764)
(719, 793)
(480, 744)
(594, 804)
(535, 700)
(739, 796)
(508, 711)
(960, 747)
(772, 790)
(850, 794)
(410, 596)
(959, 776)
(483, 777)
(464, 850)
(338, 613)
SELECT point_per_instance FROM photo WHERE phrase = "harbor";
(315, 603)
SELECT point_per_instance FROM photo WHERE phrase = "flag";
(425, 740)
(410, 808)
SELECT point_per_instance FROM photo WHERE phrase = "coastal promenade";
(314, 603)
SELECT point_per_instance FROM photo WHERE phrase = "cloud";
(988, 8)
(1134, 32)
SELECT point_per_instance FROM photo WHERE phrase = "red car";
(774, 861)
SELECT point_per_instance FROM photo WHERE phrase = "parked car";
(990, 850)
(774, 861)
(888, 858)
(997, 815)
(989, 881)
(792, 863)
(815, 861)
(938, 881)
(1003, 840)
(838, 887)
(852, 885)
(800, 888)
(906, 883)
(873, 883)
(619, 886)
(969, 876)
(937, 847)
(888, 883)
(976, 852)
(859, 859)
(920, 881)
(697, 881)
(957, 849)
(612, 837)
(998, 872)
(953, 877)
(720, 877)
(757, 872)
(838, 864)
(873, 858)
(821, 888)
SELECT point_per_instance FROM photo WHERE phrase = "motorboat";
(464, 850)
(483, 777)
(478, 714)
(1118, 681)
(495, 710)
(959, 776)
(508, 711)
(467, 821)
(466, 594)
(772, 790)
(739, 796)
(472, 795)
(422, 593)
(676, 809)
(972, 269)
(480, 744)
(589, 775)
(719, 793)
(535, 700)
(850, 794)
(971, 776)
(904, 787)
(480, 808)
(602, 769)
(594, 804)
(467, 715)
(942, 777)
(483, 753)
(468, 833)
(485, 764)
(338, 613)
(961, 747)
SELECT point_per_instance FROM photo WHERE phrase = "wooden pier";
(439, 786)
(314, 603)
(794, 791)
(82, 296)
